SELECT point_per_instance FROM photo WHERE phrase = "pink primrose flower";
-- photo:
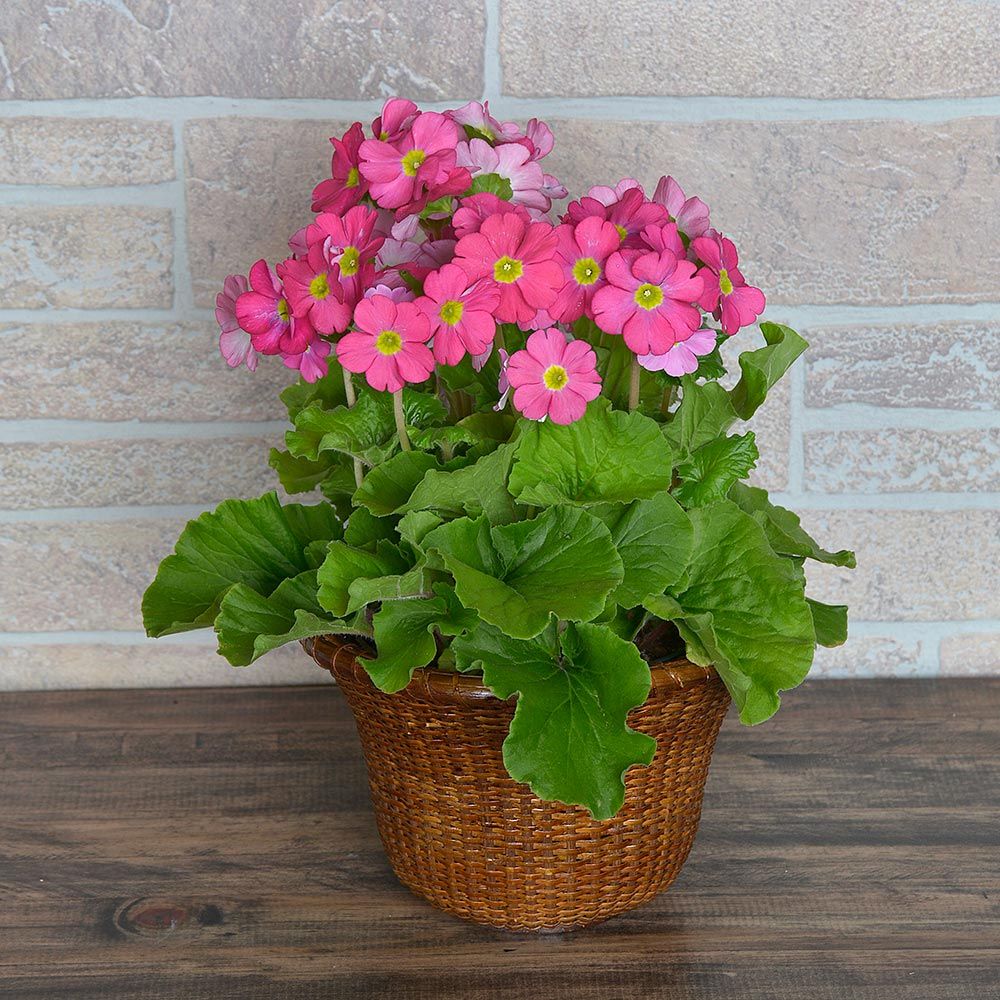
(682, 358)
(398, 114)
(476, 118)
(665, 237)
(266, 315)
(313, 289)
(726, 294)
(690, 214)
(400, 292)
(649, 300)
(553, 188)
(346, 187)
(539, 138)
(472, 212)
(630, 213)
(389, 345)
(512, 162)
(553, 378)
(311, 363)
(460, 313)
(234, 342)
(582, 253)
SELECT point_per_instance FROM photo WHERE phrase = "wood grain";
(219, 844)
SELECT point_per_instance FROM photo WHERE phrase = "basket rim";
(335, 651)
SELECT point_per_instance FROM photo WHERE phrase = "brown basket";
(459, 831)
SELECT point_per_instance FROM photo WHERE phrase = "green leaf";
(255, 542)
(762, 368)
(705, 411)
(569, 739)
(365, 531)
(830, 622)
(783, 528)
(606, 456)
(298, 475)
(313, 522)
(328, 391)
(743, 609)
(388, 486)
(415, 525)
(346, 568)
(710, 471)
(654, 539)
(404, 635)
(516, 575)
(491, 184)
(477, 489)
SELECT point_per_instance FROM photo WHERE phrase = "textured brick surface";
(913, 565)
(85, 151)
(85, 257)
(139, 472)
(910, 199)
(124, 370)
(944, 365)
(812, 48)
(970, 654)
(902, 461)
(241, 48)
(871, 656)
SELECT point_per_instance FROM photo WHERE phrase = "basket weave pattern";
(460, 832)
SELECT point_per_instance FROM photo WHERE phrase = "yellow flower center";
(283, 310)
(319, 287)
(622, 231)
(451, 311)
(507, 270)
(586, 271)
(555, 377)
(412, 161)
(725, 282)
(388, 342)
(353, 178)
(350, 261)
(648, 296)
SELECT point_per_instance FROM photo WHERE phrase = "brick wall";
(148, 147)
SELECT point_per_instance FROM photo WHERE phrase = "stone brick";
(135, 472)
(55, 666)
(304, 48)
(120, 370)
(868, 212)
(85, 257)
(913, 565)
(939, 48)
(942, 365)
(892, 460)
(249, 186)
(872, 656)
(971, 654)
(84, 152)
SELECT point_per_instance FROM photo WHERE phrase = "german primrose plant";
(525, 449)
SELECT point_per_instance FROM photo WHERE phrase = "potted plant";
(536, 572)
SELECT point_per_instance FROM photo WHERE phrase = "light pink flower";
(682, 358)
(460, 313)
(553, 378)
(398, 114)
(512, 162)
(582, 253)
(311, 363)
(540, 138)
(608, 196)
(234, 342)
(690, 214)
(553, 188)
(346, 187)
(503, 383)
(313, 288)
(266, 315)
(519, 257)
(649, 300)
(389, 345)
(477, 118)
(297, 242)
(630, 213)
(726, 294)
(472, 211)
(400, 292)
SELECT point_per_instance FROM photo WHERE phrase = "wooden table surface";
(219, 844)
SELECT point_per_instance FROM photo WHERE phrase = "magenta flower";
(313, 288)
(553, 378)
(475, 209)
(266, 315)
(665, 237)
(234, 342)
(398, 114)
(630, 213)
(519, 257)
(582, 253)
(511, 161)
(460, 314)
(349, 242)
(346, 186)
(682, 358)
(390, 344)
(726, 294)
(311, 363)
(690, 214)
(649, 300)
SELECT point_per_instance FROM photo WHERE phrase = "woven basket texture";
(461, 833)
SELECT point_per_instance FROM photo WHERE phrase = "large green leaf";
(762, 368)
(607, 456)
(404, 635)
(388, 486)
(783, 528)
(563, 562)
(830, 621)
(653, 538)
(742, 608)
(707, 474)
(255, 542)
(345, 578)
(328, 391)
(569, 739)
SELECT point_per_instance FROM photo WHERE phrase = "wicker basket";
(459, 831)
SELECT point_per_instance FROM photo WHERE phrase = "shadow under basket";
(461, 833)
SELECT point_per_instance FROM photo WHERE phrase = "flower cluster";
(435, 232)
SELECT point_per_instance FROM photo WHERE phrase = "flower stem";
(351, 396)
(668, 398)
(397, 411)
(633, 386)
